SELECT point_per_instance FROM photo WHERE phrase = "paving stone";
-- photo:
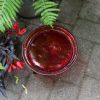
(69, 11)
(87, 30)
(39, 88)
(64, 91)
(11, 81)
(10, 96)
(31, 28)
(90, 89)
(75, 74)
(94, 63)
(35, 21)
(84, 50)
(28, 22)
(68, 27)
(91, 10)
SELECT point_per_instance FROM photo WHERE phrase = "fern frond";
(8, 10)
(48, 11)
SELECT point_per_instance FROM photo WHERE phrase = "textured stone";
(90, 89)
(68, 27)
(91, 10)
(64, 91)
(94, 63)
(38, 87)
(84, 50)
(75, 74)
(69, 11)
(35, 21)
(87, 30)
(10, 96)
(23, 77)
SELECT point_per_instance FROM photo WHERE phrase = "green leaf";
(48, 11)
(8, 10)
(48, 4)
(1, 67)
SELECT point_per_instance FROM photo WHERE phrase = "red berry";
(13, 66)
(16, 26)
(19, 64)
(21, 32)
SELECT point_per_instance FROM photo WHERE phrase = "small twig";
(24, 88)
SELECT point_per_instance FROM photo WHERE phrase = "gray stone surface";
(84, 50)
(23, 77)
(90, 89)
(91, 10)
(69, 11)
(10, 96)
(38, 87)
(87, 30)
(35, 21)
(75, 74)
(64, 91)
(94, 63)
(67, 26)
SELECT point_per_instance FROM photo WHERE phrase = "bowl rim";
(65, 68)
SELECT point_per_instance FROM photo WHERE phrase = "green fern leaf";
(48, 4)
(50, 14)
(8, 10)
(44, 17)
(1, 67)
(48, 11)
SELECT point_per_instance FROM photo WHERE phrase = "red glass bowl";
(49, 51)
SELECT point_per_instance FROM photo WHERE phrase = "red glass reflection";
(49, 51)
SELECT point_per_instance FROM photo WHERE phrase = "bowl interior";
(49, 51)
